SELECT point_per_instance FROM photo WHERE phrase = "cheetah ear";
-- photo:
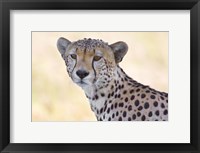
(120, 49)
(62, 44)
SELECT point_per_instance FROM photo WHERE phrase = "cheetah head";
(91, 61)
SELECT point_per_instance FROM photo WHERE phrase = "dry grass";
(56, 98)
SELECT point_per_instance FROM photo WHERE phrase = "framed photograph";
(99, 76)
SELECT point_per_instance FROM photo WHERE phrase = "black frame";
(7, 5)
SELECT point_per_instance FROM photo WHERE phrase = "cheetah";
(94, 66)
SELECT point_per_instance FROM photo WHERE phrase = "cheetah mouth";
(81, 82)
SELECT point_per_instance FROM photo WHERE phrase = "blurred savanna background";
(56, 98)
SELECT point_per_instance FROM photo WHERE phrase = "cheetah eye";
(73, 56)
(97, 58)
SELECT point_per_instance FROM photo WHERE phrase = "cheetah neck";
(99, 97)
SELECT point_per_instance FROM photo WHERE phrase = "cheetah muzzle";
(113, 95)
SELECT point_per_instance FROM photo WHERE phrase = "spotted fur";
(113, 95)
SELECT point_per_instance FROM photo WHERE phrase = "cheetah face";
(91, 62)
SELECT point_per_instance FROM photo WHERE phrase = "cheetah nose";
(82, 73)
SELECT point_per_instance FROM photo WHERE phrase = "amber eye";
(73, 56)
(97, 58)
